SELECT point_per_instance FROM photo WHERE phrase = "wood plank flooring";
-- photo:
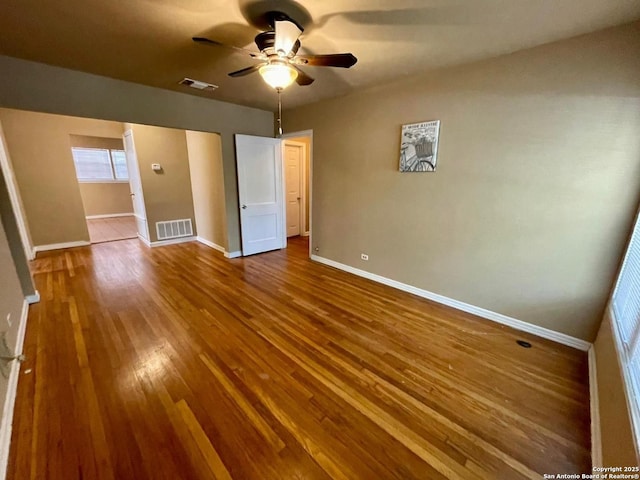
(111, 228)
(177, 363)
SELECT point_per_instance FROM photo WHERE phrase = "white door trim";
(303, 169)
(309, 134)
(14, 195)
(140, 219)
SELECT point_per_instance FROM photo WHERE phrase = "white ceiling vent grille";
(174, 229)
(197, 84)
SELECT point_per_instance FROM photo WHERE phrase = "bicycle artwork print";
(419, 146)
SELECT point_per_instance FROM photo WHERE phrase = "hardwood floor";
(111, 228)
(177, 363)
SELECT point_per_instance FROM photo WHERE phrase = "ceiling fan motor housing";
(266, 43)
(274, 17)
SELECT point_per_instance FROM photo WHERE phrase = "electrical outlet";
(9, 322)
(364, 257)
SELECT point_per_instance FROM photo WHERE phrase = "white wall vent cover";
(174, 229)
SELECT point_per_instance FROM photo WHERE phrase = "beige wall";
(106, 198)
(167, 194)
(40, 149)
(38, 87)
(536, 187)
(20, 262)
(207, 184)
(10, 220)
(86, 141)
(307, 175)
(103, 198)
(618, 447)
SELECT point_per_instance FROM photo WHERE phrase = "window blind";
(626, 317)
(97, 164)
(92, 163)
(120, 164)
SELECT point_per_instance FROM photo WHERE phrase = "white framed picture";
(419, 146)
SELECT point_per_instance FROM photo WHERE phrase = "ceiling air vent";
(197, 84)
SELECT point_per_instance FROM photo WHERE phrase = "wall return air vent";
(198, 85)
(174, 229)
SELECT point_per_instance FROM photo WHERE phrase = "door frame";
(308, 134)
(146, 240)
(302, 215)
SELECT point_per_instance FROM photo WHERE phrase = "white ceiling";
(149, 41)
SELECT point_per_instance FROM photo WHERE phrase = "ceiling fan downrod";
(279, 90)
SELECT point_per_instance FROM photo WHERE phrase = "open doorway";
(103, 180)
(73, 181)
(297, 153)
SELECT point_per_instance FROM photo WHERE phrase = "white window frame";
(626, 349)
(113, 178)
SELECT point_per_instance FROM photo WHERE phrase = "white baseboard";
(59, 246)
(594, 402)
(31, 299)
(305, 234)
(215, 246)
(6, 423)
(465, 307)
(109, 215)
(172, 241)
(209, 243)
(144, 240)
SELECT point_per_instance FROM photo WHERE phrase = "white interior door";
(135, 185)
(293, 158)
(260, 194)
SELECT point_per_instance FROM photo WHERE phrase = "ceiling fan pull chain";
(279, 90)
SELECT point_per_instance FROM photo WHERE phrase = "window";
(625, 306)
(100, 164)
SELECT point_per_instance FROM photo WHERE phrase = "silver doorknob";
(244, 206)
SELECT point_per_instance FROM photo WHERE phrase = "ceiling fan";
(279, 60)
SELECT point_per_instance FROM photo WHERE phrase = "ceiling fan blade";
(208, 41)
(246, 71)
(287, 34)
(342, 60)
(303, 79)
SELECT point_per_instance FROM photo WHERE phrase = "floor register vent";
(174, 229)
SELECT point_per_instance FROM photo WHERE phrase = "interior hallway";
(175, 362)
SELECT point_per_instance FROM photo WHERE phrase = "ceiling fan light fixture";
(278, 75)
